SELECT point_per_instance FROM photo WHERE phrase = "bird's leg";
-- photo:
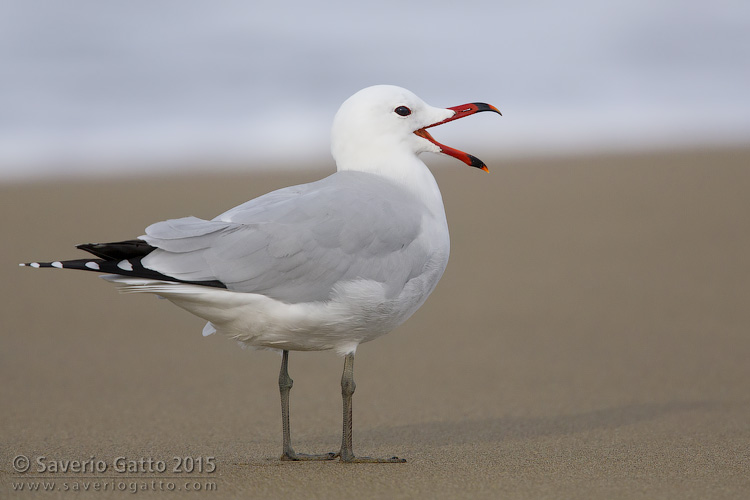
(347, 389)
(285, 386)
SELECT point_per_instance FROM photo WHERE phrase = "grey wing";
(297, 243)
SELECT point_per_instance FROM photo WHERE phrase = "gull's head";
(381, 127)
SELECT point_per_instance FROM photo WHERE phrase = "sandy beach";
(590, 339)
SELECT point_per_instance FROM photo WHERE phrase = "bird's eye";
(402, 111)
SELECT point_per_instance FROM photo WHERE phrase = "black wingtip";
(39, 265)
(81, 264)
(118, 250)
(124, 267)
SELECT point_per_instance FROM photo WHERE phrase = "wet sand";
(590, 339)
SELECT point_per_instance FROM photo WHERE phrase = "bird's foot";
(351, 459)
(292, 456)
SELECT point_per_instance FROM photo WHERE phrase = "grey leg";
(285, 385)
(347, 389)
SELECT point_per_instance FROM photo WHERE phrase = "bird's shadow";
(514, 428)
(500, 429)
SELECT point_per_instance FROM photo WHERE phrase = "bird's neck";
(408, 171)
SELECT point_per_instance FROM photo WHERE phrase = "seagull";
(326, 265)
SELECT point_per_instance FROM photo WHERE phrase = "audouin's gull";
(325, 265)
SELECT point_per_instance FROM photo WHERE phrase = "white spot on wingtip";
(125, 265)
(21, 265)
(92, 265)
(209, 329)
(35, 265)
(57, 264)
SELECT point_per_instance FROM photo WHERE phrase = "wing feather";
(297, 243)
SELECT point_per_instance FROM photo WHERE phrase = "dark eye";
(403, 111)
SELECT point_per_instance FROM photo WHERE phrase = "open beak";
(460, 112)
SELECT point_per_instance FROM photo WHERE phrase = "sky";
(101, 89)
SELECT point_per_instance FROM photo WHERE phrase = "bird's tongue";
(470, 160)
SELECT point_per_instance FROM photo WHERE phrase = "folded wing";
(297, 243)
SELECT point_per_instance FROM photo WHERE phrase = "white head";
(383, 127)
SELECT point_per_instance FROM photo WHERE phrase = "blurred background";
(97, 89)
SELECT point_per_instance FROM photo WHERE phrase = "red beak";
(460, 112)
